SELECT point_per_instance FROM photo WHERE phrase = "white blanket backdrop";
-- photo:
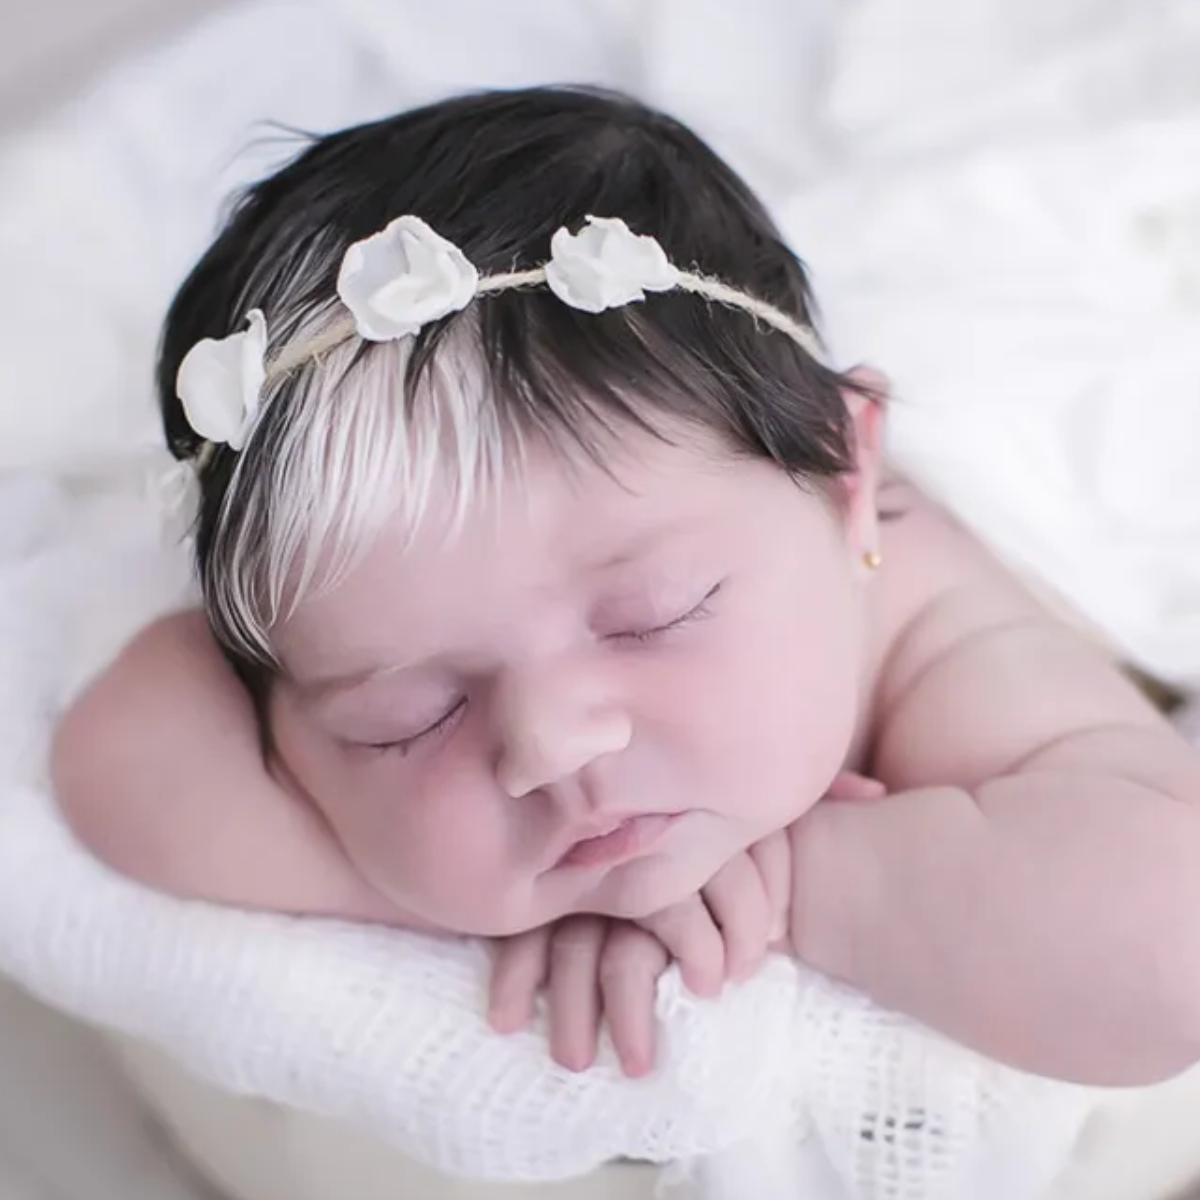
(1000, 201)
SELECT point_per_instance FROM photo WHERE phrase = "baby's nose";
(550, 734)
(538, 757)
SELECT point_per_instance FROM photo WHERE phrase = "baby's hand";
(592, 968)
(724, 932)
(597, 968)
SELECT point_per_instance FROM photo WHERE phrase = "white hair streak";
(351, 453)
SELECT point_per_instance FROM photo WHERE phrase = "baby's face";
(589, 696)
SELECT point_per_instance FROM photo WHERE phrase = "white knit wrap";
(385, 1029)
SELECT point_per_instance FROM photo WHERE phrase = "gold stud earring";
(873, 560)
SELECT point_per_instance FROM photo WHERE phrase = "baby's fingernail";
(574, 1061)
(501, 1022)
(506, 1018)
(742, 971)
(635, 1065)
(705, 986)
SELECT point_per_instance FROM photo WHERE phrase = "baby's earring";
(872, 560)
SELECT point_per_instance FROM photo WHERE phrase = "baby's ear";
(866, 401)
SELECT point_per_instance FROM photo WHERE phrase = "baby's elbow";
(85, 782)
(1153, 1033)
(1173, 1022)
(1182, 1010)
(1171, 1034)
(77, 775)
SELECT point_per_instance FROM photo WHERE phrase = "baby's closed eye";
(403, 743)
(644, 631)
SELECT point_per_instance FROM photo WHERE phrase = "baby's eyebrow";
(645, 546)
(324, 688)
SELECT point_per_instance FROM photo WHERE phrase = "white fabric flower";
(606, 265)
(402, 278)
(220, 380)
(174, 493)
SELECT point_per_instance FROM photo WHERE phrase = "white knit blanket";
(1044, 337)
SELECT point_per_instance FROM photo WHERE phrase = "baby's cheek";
(431, 831)
(438, 844)
(789, 722)
(820, 719)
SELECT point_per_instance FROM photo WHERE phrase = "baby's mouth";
(627, 838)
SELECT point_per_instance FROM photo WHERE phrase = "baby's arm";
(159, 770)
(1031, 886)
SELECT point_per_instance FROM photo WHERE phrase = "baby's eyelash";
(693, 614)
(403, 745)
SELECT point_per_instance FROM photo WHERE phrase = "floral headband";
(401, 279)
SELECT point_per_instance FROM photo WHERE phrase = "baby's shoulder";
(953, 624)
(940, 581)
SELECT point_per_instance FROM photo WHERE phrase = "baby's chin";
(639, 889)
(629, 892)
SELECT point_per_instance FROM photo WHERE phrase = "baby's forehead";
(556, 526)
(559, 509)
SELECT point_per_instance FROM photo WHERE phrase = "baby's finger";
(737, 898)
(518, 973)
(630, 964)
(850, 785)
(773, 858)
(573, 992)
(692, 938)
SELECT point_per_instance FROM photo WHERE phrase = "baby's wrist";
(834, 890)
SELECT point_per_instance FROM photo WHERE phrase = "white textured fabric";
(1043, 336)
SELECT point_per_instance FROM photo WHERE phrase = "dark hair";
(498, 173)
